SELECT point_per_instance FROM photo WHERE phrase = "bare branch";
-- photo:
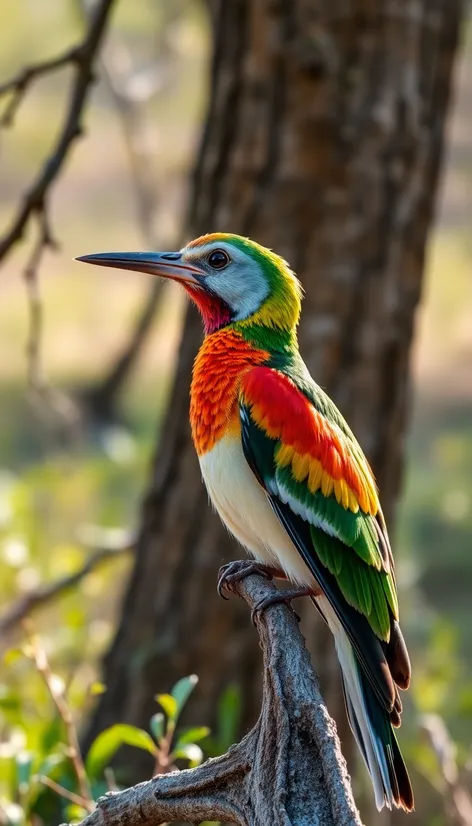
(44, 397)
(18, 85)
(56, 691)
(34, 198)
(46, 593)
(62, 792)
(457, 799)
(33, 347)
(287, 771)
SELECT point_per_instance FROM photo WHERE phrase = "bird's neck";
(214, 311)
(276, 340)
(221, 362)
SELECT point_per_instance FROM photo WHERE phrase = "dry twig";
(46, 593)
(17, 85)
(457, 799)
(34, 202)
(40, 392)
(33, 347)
(287, 771)
(56, 691)
(82, 58)
(63, 792)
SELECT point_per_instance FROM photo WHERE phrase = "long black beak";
(164, 264)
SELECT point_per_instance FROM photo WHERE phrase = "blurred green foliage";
(39, 777)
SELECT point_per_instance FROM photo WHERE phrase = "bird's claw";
(235, 571)
(280, 598)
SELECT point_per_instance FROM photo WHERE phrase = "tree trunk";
(323, 140)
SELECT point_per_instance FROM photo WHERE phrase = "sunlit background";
(64, 487)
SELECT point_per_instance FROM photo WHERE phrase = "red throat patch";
(213, 310)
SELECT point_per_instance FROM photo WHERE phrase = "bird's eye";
(218, 259)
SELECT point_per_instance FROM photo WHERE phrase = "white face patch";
(241, 284)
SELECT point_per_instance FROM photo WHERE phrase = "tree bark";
(288, 771)
(323, 139)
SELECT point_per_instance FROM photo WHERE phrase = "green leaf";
(12, 655)
(99, 788)
(9, 700)
(24, 762)
(464, 704)
(97, 688)
(229, 716)
(169, 704)
(46, 766)
(75, 813)
(182, 691)
(190, 752)
(108, 742)
(192, 735)
(53, 735)
(157, 725)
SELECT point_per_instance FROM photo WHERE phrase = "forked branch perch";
(288, 771)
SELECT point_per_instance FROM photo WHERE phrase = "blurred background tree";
(323, 137)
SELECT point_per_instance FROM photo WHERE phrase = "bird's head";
(231, 279)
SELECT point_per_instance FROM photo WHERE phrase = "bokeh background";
(66, 486)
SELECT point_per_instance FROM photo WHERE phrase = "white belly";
(245, 509)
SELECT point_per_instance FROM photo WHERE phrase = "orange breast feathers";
(222, 360)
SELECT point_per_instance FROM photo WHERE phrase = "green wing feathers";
(315, 466)
(370, 591)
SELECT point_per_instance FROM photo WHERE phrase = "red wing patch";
(316, 450)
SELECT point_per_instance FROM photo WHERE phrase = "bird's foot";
(282, 598)
(235, 571)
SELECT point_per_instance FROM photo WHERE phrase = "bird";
(288, 477)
